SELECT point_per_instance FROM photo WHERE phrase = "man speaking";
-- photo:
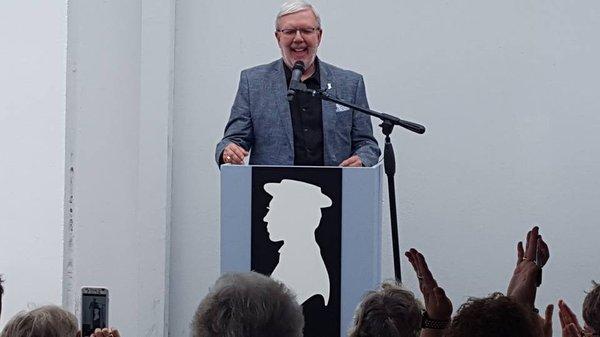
(304, 130)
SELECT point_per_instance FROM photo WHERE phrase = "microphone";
(295, 83)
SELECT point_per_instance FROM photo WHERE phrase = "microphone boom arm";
(393, 120)
(389, 160)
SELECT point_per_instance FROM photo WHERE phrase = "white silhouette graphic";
(294, 215)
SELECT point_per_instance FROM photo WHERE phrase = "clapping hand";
(523, 284)
(437, 304)
(106, 333)
(526, 276)
(568, 322)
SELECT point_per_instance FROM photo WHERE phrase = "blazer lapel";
(329, 116)
(283, 107)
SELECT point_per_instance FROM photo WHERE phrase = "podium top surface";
(245, 167)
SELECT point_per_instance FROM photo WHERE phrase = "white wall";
(507, 90)
(32, 129)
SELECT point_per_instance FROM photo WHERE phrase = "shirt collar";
(316, 76)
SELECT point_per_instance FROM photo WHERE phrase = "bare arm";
(437, 305)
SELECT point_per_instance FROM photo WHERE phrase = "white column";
(118, 186)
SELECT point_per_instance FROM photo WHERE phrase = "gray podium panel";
(236, 222)
(358, 235)
(361, 236)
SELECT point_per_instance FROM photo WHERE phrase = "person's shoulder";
(339, 72)
(263, 69)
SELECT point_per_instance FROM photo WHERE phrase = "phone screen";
(94, 310)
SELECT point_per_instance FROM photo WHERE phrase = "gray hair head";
(47, 321)
(591, 308)
(295, 6)
(389, 311)
(248, 304)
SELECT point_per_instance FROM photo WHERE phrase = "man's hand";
(523, 284)
(353, 161)
(437, 304)
(233, 154)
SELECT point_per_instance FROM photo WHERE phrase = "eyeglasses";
(305, 32)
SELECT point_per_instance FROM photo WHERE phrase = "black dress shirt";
(307, 121)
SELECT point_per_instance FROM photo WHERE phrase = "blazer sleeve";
(239, 127)
(363, 143)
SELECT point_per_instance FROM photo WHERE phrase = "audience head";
(46, 321)
(390, 311)
(249, 305)
(591, 309)
(494, 316)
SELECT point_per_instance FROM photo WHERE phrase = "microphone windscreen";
(299, 65)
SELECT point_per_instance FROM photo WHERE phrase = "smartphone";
(94, 309)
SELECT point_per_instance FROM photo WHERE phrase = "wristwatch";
(428, 323)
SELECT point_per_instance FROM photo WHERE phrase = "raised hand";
(527, 276)
(568, 322)
(437, 304)
(523, 284)
(546, 321)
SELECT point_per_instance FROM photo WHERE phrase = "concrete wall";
(32, 129)
(506, 89)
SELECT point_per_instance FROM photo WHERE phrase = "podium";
(316, 229)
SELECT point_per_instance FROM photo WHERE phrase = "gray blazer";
(261, 121)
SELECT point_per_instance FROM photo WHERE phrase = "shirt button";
(305, 130)
(303, 109)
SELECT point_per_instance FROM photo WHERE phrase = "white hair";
(48, 321)
(294, 6)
